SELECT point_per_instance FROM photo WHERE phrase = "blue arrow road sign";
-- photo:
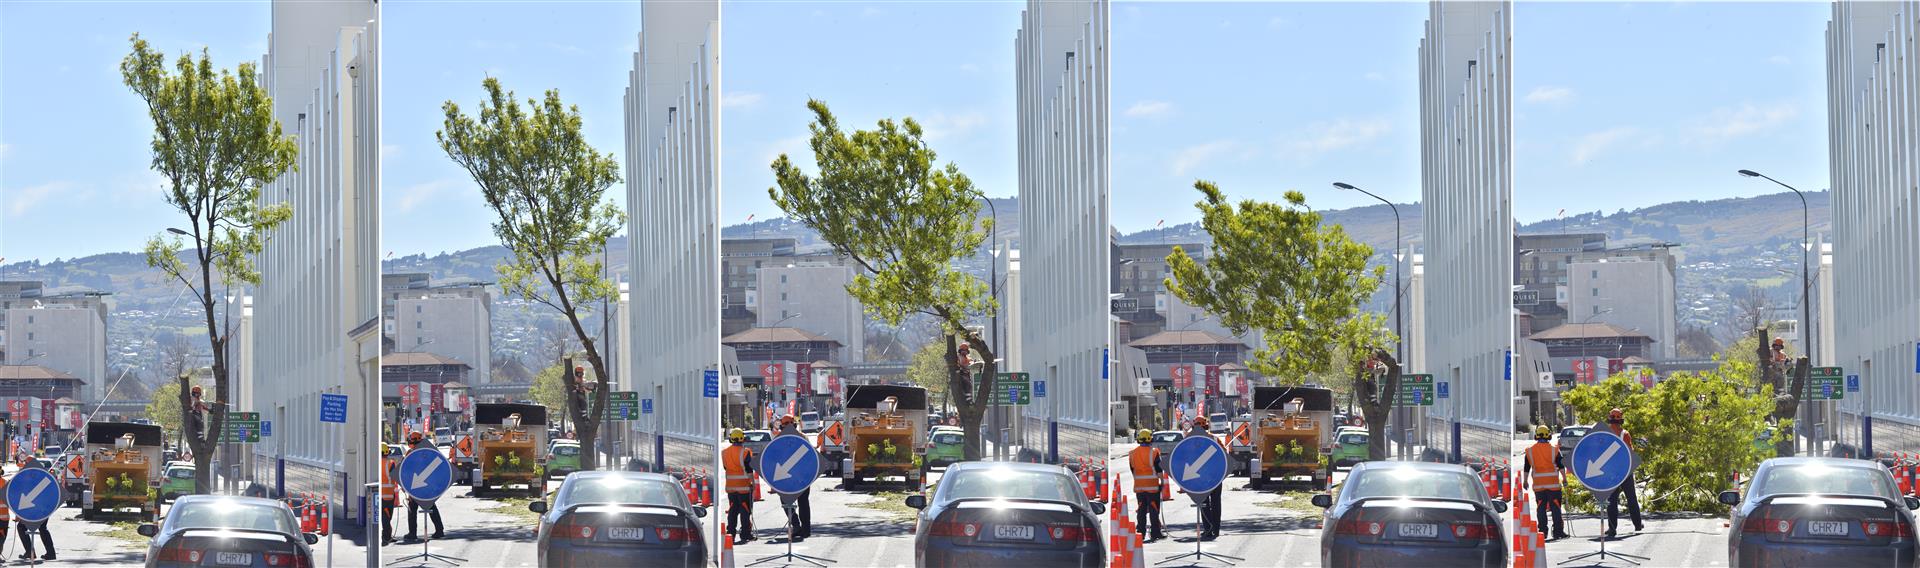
(1853, 383)
(1040, 389)
(1602, 460)
(646, 406)
(33, 495)
(1199, 464)
(425, 474)
(333, 408)
(266, 428)
(1443, 389)
(789, 464)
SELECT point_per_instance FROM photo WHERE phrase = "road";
(103, 543)
(1669, 540)
(495, 532)
(1262, 527)
(864, 528)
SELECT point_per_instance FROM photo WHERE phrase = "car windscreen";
(1168, 437)
(1414, 482)
(1825, 479)
(619, 489)
(759, 436)
(810, 416)
(230, 514)
(180, 473)
(1009, 483)
(1354, 439)
(948, 438)
(566, 450)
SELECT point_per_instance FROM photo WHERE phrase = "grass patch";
(128, 532)
(1298, 502)
(894, 503)
(515, 507)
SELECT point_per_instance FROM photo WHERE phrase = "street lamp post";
(1806, 249)
(1399, 334)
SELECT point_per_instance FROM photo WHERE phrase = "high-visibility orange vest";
(388, 491)
(1142, 459)
(734, 459)
(6, 515)
(1546, 477)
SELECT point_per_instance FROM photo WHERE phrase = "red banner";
(1583, 371)
(439, 397)
(1182, 376)
(1213, 379)
(409, 394)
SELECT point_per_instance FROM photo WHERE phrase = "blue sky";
(949, 65)
(1628, 105)
(436, 51)
(74, 177)
(1262, 98)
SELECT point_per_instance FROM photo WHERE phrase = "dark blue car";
(1395, 513)
(1008, 514)
(1807, 511)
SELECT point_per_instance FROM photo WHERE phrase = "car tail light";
(1476, 531)
(175, 553)
(1764, 524)
(953, 528)
(287, 560)
(570, 530)
(1073, 533)
(1358, 524)
(1895, 528)
(672, 534)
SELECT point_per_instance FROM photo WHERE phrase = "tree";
(549, 387)
(1691, 430)
(1273, 267)
(548, 187)
(928, 369)
(879, 201)
(216, 142)
(164, 408)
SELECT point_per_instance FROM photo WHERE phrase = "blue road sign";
(1106, 362)
(1853, 383)
(1826, 390)
(425, 474)
(33, 495)
(646, 406)
(789, 464)
(1040, 389)
(333, 408)
(1602, 460)
(1443, 389)
(1199, 464)
(1508, 373)
(710, 384)
(266, 428)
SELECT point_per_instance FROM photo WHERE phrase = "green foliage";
(549, 388)
(928, 369)
(548, 189)
(164, 408)
(1691, 431)
(1273, 267)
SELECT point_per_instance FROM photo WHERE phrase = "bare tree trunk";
(1378, 402)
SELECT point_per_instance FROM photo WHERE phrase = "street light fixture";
(177, 231)
(1399, 334)
(1806, 249)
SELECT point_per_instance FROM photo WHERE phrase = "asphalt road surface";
(495, 532)
(104, 543)
(1264, 528)
(864, 528)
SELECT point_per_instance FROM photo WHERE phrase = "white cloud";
(1325, 137)
(20, 201)
(1277, 22)
(740, 99)
(1727, 123)
(941, 125)
(1593, 144)
(1545, 94)
(1149, 108)
(141, 187)
(794, 147)
(1779, 60)
(414, 195)
(1192, 156)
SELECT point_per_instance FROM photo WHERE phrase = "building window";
(416, 308)
(419, 325)
(29, 336)
(783, 295)
(783, 280)
(29, 319)
(1596, 275)
(1596, 292)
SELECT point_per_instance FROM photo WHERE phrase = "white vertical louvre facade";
(319, 288)
(1466, 168)
(673, 191)
(1873, 116)
(1063, 64)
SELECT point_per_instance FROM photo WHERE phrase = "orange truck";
(511, 448)
(122, 467)
(1288, 439)
(882, 437)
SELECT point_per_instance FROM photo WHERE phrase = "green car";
(563, 457)
(946, 448)
(179, 481)
(1350, 447)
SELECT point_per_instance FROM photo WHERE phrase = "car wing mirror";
(700, 512)
(1913, 503)
(1499, 506)
(1322, 500)
(310, 538)
(1099, 508)
(1731, 498)
(537, 507)
(917, 501)
(148, 530)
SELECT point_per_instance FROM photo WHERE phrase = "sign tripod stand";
(1603, 459)
(426, 474)
(1198, 555)
(1199, 466)
(790, 465)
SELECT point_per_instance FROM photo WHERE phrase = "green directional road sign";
(1415, 390)
(242, 427)
(1013, 389)
(1826, 383)
(623, 406)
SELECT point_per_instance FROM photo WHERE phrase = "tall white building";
(1873, 81)
(1629, 292)
(673, 195)
(453, 325)
(69, 339)
(1064, 71)
(1466, 168)
(316, 315)
(813, 296)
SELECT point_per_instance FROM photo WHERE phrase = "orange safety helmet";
(786, 420)
(415, 437)
(1201, 421)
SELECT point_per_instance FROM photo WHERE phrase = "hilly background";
(1727, 247)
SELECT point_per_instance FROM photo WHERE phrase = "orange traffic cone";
(726, 548)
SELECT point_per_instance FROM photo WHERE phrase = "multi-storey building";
(1873, 77)
(813, 296)
(1063, 65)
(672, 140)
(1466, 78)
(1627, 292)
(454, 325)
(67, 338)
(316, 322)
